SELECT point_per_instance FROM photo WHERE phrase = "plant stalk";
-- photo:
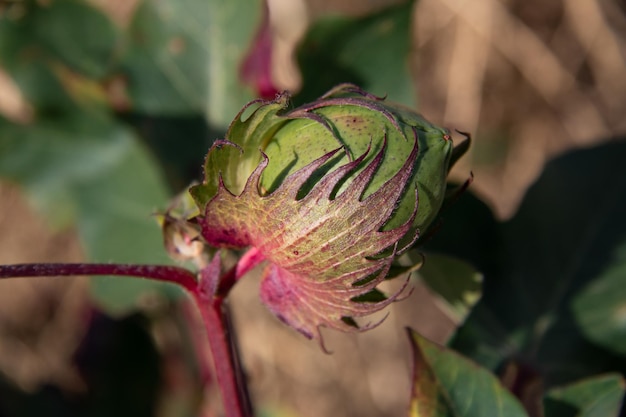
(226, 371)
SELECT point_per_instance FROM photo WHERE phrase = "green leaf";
(371, 51)
(600, 396)
(70, 32)
(600, 308)
(166, 59)
(183, 57)
(88, 170)
(77, 34)
(568, 232)
(445, 384)
(25, 60)
(456, 284)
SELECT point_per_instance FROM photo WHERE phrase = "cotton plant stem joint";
(214, 317)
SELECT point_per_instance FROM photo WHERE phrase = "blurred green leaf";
(600, 308)
(76, 163)
(601, 396)
(76, 33)
(565, 235)
(372, 52)
(183, 57)
(166, 59)
(27, 63)
(87, 169)
(71, 32)
(456, 284)
(447, 384)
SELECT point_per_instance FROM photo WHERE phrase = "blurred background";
(108, 106)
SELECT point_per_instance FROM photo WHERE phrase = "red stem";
(221, 350)
(212, 310)
(173, 274)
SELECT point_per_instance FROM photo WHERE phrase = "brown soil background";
(529, 79)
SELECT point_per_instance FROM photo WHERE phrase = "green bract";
(329, 194)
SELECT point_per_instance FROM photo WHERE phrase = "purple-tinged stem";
(173, 274)
(219, 342)
(211, 309)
